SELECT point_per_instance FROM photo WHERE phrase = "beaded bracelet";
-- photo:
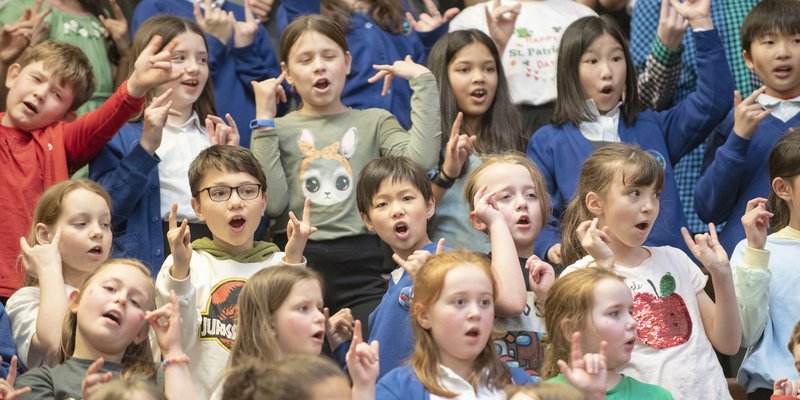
(184, 359)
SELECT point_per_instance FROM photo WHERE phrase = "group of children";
(429, 195)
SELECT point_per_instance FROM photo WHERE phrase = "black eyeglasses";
(248, 191)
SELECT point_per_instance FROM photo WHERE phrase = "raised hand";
(747, 113)
(168, 334)
(152, 67)
(541, 277)
(786, 387)
(432, 20)
(44, 258)
(7, 391)
(500, 20)
(595, 242)
(14, 38)
(261, 8)
(707, 250)
(268, 93)
(244, 32)
(215, 21)
(417, 259)
(298, 232)
(671, 26)
(486, 208)
(363, 362)
(220, 133)
(339, 327)
(117, 28)
(459, 148)
(697, 12)
(586, 372)
(756, 222)
(180, 245)
(155, 117)
(406, 69)
(94, 378)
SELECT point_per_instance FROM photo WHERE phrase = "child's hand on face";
(7, 391)
(14, 38)
(586, 372)
(406, 69)
(180, 245)
(94, 379)
(697, 12)
(432, 20)
(244, 32)
(541, 277)
(220, 133)
(168, 334)
(117, 28)
(756, 222)
(362, 360)
(339, 327)
(155, 117)
(417, 259)
(297, 232)
(43, 258)
(671, 26)
(748, 114)
(707, 249)
(459, 148)
(500, 20)
(595, 242)
(214, 21)
(152, 68)
(786, 387)
(486, 209)
(268, 93)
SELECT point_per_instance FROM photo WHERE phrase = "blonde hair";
(487, 369)
(546, 391)
(568, 308)
(260, 297)
(512, 158)
(49, 209)
(291, 378)
(138, 358)
(128, 389)
(634, 167)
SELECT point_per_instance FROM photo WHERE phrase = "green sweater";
(628, 389)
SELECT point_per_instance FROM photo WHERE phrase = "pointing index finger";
(173, 217)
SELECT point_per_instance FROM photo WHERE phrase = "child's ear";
(72, 301)
(476, 222)
(594, 203)
(747, 59)
(367, 222)
(423, 319)
(285, 68)
(782, 188)
(567, 328)
(42, 233)
(348, 59)
(199, 210)
(431, 207)
(264, 203)
(12, 74)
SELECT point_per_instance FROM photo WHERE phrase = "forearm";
(511, 296)
(363, 392)
(178, 381)
(659, 79)
(425, 133)
(266, 148)
(46, 340)
(751, 282)
(726, 329)
(717, 188)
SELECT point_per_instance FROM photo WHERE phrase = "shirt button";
(158, 252)
(368, 25)
(154, 219)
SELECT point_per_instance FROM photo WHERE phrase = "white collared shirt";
(783, 110)
(214, 3)
(179, 147)
(452, 382)
(605, 128)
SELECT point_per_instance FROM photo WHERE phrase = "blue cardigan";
(559, 151)
(402, 384)
(231, 69)
(735, 171)
(130, 174)
(369, 45)
(7, 347)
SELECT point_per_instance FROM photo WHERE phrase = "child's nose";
(478, 76)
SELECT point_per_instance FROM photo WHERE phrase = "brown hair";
(311, 23)
(291, 378)
(224, 158)
(68, 64)
(571, 100)
(260, 297)
(387, 14)
(794, 338)
(169, 27)
(396, 168)
(784, 162)
(546, 391)
(128, 389)
(512, 158)
(138, 358)
(568, 308)
(487, 369)
(48, 209)
(634, 166)
(770, 17)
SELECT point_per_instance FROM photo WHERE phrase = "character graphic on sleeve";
(325, 174)
(662, 319)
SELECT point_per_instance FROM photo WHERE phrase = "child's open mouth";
(478, 94)
(237, 223)
(322, 84)
(642, 226)
(114, 317)
(319, 335)
(30, 106)
(783, 71)
(523, 220)
(401, 229)
(191, 83)
(96, 251)
(607, 89)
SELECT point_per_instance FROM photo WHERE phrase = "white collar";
(596, 113)
(193, 121)
(781, 109)
(602, 128)
(214, 3)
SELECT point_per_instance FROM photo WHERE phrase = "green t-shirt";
(628, 389)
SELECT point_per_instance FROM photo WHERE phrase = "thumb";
(440, 246)
(737, 98)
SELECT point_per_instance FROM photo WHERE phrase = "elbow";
(731, 349)
(510, 309)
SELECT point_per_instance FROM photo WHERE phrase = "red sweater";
(30, 162)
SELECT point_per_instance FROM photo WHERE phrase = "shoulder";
(400, 383)
(23, 298)
(577, 265)
(652, 391)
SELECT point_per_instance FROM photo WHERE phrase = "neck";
(460, 367)
(84, 350)
(784, 95)
(231, 249)
(627, 256)
(72, 276)
(6, 121)
(471, 125)
(794, 222)
(180, 119)
(614, 378)
(525, 251)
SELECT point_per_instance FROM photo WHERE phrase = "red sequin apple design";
(662, 319)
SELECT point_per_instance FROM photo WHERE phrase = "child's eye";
(658, 195)
(617, 58)
(408, 198)
(380, 205)
(592, 61)
(57, 95)
(202, 60)
(136, 303)
(462, 69)
(458, 301)
(110, 289)
(530, 195)
(634, 193)
(614, 313)
(36, 79)
(486, 302)
(178, 58)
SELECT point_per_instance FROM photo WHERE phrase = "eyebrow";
(131, 289)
